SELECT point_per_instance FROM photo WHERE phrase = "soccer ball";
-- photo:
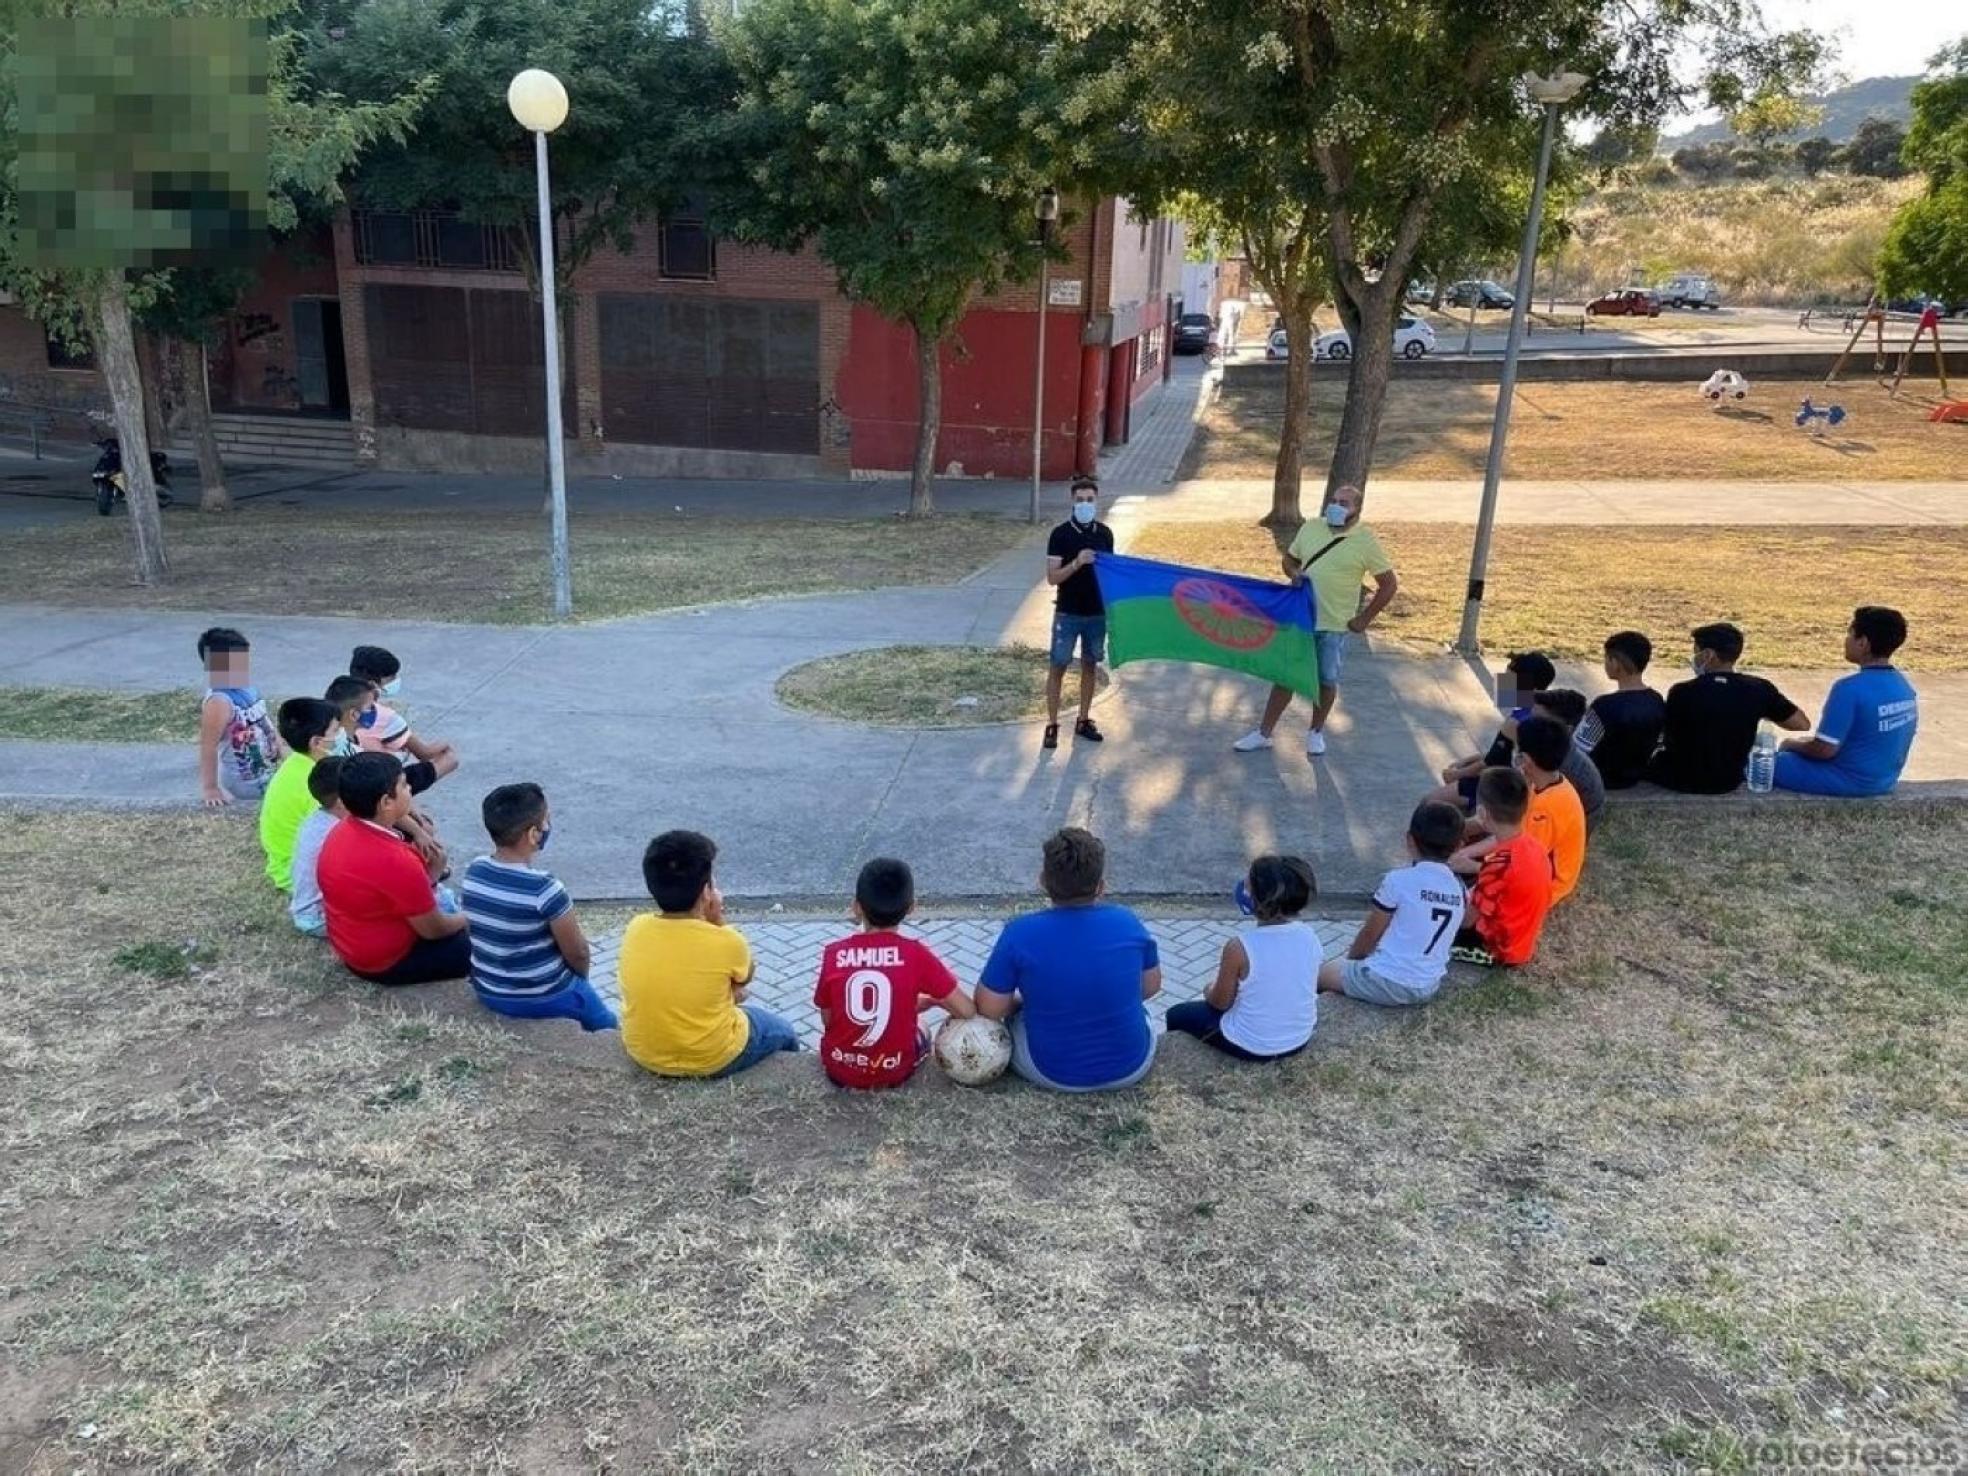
(974, 1051)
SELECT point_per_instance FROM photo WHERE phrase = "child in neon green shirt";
(309, 727)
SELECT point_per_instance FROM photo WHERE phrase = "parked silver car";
(1690, 290)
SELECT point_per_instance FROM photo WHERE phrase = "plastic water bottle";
(1762, 769)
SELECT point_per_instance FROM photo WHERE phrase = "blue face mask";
(1698, 665)
(392, 686)
(1336, 516)
(366, 718)
(546, 834)
(1084, 512)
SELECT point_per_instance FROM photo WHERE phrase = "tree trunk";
(212, 496)
(150, 374)
(1285, 516)
(119, 367)
(1366, 384)
(929, 382)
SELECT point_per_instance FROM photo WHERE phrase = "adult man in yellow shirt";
(1337, 555)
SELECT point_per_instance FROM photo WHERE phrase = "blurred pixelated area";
(142, 139)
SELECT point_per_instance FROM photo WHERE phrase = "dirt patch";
(489, 567)
(262, 1215)
(1596, 430)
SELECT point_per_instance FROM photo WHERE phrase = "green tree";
(1926, 249)
(1769, 115)
(1875, 149)
(907, 140)
(644, 84)
(1814, 155)
(309, 139)
(1256, 197)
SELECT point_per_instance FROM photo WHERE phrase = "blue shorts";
(575, 1000)
(1088, 632)
(1331, 646)
(1819, 776)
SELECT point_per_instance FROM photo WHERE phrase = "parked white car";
(1412, 339)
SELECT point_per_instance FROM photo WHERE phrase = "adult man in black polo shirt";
(1712, 718)
(1079, 614)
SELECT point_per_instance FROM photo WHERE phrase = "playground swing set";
(1929, 327)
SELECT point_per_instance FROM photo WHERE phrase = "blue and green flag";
(1166, 612)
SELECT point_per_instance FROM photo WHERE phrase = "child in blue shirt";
(237, 747)
(1869, 719)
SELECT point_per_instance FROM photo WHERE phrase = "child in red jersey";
(873, 982)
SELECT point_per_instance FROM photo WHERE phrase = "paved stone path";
(788, 956)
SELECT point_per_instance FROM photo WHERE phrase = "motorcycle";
(108, 475)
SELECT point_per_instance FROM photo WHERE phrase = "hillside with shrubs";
(1791, 224)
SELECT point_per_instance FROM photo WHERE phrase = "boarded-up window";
(721, 373)
(684, 247)
(459, 359)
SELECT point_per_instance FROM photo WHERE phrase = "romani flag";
(1166, 612)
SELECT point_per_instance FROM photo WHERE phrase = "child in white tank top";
(1263, 1004)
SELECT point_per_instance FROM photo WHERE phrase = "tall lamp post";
(1047, 212)
(539, 102)
(1554, 93)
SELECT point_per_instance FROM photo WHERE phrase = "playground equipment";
(1809, 414)
(1725, 384)
(1929, 326)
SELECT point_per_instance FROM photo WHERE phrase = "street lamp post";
(1047, 212)
(539, 102)
(1554, 93)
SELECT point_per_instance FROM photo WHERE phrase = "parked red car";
(1628, 302)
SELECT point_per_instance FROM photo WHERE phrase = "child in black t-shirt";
(1622, 729)
(1525, 673)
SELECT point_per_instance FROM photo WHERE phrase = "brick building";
(687, 356)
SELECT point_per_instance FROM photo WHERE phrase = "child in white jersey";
(1263, 1004)
(1402, 949)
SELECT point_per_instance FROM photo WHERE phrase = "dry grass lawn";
(1562, 589)
(1597, 432)
(927, 686)
(1690, 1183)
(488, 566)
(86, 715)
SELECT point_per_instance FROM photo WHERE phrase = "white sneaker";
(1315, 742)
(1252, 742)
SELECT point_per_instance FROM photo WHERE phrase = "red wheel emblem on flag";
(1222, 615)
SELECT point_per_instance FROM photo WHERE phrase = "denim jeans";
(769, 1034)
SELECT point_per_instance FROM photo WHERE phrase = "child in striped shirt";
(530, 959)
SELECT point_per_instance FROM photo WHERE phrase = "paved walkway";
(1609, 503)
(670, 720)
(787, 955)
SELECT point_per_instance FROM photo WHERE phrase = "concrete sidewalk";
(56, 488)
(638, 725)
(1596, 503)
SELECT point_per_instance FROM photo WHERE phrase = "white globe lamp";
(537, 100)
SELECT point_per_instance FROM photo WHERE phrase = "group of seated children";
(1697, 740)
(1490, 852)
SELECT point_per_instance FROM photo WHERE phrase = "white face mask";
(1083, 512)
(1700, 667)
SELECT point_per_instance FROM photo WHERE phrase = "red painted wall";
(987, 393)
(253, 365)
